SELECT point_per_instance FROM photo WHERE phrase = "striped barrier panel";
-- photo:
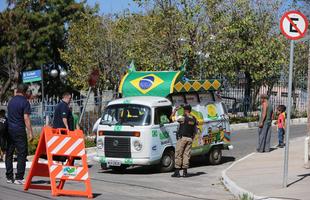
(66, 146)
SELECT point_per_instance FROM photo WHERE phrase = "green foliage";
(237, 120)
(31, 34)
(32, 146)
(245, 197)
(218, 38)
(89, 142)
(296, 114)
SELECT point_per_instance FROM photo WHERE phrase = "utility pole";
(308, 99)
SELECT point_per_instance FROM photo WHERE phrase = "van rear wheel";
(167, 161)
(215, 156)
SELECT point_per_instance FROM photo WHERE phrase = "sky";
(106, 6)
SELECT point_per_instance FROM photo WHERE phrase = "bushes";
(32, 146)
(90, 142)
(237, 120)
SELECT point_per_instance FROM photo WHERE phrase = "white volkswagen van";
(137, 129)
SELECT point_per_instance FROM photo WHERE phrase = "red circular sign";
(294, 25)
(93, 77)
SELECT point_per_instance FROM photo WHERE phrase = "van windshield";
(126, 114)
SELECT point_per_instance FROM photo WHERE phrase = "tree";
(248, 45)
(31, 34)
(94, 42)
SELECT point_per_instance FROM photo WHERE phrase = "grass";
(245, 197)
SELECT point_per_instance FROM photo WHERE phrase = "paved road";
(145, 183)
(245, 141)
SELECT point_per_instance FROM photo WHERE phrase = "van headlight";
(99, 144)
(137, 145)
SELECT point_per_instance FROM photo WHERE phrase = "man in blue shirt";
(62, 115)
(18, 120)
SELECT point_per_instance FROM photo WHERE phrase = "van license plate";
(114, 163)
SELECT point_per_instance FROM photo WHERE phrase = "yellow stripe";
(122, 82)
(173, 82)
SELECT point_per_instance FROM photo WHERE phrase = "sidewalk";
(235, 127)
(260, 175)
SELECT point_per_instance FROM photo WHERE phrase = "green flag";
(184, 64)
(131, 67)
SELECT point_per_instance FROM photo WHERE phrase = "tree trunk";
(5, 88)
(254, 97)
(270, 87)
(247, 93)
(13, 79)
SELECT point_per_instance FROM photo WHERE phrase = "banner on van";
(149, 83)
(163, 83)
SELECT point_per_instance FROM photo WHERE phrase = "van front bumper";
(125, 161)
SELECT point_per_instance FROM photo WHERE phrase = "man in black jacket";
(62, 115)
(18, 120)
(185, 137)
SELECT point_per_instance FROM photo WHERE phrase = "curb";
(238, 191)
(232, 186)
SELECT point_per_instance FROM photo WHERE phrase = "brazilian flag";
(138, 83)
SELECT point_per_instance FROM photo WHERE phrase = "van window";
(127, 114)
(192, 99)
(162, 115)
(178, 100)
(206, 97)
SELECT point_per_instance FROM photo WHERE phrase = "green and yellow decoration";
(162, 83)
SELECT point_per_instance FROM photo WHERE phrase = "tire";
(167, 161)
(215, 156)
(103, 166)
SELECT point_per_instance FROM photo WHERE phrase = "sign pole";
(85, 104)
(42, 93)
(287, 134)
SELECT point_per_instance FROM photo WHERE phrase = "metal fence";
(233, 96)
(93, 110)
(239, 104)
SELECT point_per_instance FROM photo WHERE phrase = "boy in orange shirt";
(281, 124)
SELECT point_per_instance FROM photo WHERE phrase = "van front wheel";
(215, 156)
(167, 161)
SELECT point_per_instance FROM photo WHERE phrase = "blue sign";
(32, 76)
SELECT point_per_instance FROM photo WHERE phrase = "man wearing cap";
(18, 120)
(264, 126)
(185, 137)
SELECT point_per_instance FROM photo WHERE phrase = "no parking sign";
(294, 25)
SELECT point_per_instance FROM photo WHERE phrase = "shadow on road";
(95, 195)
(195, 174)
(303, 176)
(201, 161)
(198, 161)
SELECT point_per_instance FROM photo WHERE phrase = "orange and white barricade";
(68, 145)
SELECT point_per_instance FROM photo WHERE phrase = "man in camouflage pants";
(185, 137)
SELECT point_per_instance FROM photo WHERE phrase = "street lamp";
(54, 73)
(202, 55)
